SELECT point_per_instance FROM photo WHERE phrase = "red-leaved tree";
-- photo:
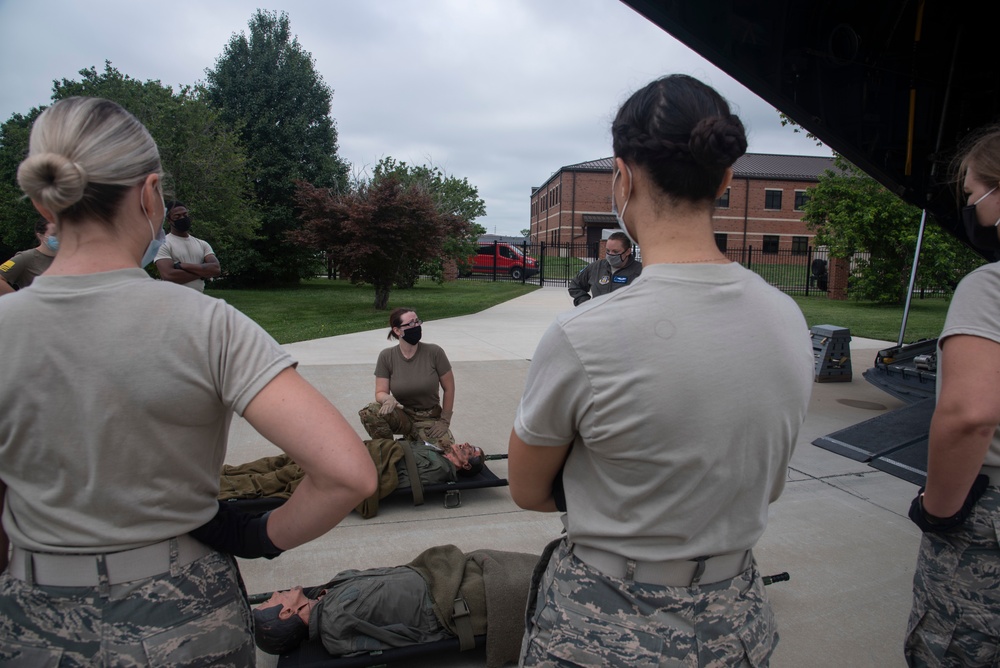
(379, 231)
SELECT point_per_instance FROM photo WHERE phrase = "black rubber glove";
(238, 533)
(931, 524)
(558, 491)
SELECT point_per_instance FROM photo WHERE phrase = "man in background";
(183, 258)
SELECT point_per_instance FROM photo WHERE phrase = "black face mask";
(412, 335)
(181, 224)
(983, 238)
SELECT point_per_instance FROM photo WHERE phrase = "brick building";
(761, 209)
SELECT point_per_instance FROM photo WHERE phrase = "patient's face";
(292, 602)
(462, 452)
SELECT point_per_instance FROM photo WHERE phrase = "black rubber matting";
(910, 463)
(895, 442)
(881, 435)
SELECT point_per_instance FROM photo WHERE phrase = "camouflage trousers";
(413, 425)
(198, 618)
(955, 619)
(581, 617)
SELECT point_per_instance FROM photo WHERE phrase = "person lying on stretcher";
(278, 476)
(362, 611)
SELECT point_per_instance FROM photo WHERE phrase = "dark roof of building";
(751, 165)
(792, 167)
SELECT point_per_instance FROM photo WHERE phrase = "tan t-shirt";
(24, 267)
(120, 436)
(185, 249)
(415, 381)
(975, 310)
(682, 397)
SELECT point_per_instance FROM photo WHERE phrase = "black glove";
(238, 533)
(931, 524)
(558, 491)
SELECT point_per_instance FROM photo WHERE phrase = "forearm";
(578, 291)
(6, 288)
(956, 451)
(310, 512)
(448, 397)
(532, 470)
(203, 270)
(176, 275)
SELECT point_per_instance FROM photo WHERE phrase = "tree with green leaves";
(266, 85)
(378, 231)
(852, 213)
(17, 215)
(205, 166)
(452, 197)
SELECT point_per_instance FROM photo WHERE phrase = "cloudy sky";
(502, 92)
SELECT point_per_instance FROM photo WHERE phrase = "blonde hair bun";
(52, 180)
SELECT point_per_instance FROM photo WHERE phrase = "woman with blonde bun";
(110, 458)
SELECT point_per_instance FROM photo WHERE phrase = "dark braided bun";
(644, 146)
(718, 141)
(682, 133)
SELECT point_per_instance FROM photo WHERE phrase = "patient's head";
(468, 459)
(281, 623)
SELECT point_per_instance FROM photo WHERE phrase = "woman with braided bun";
(660, 419)
(110, 457)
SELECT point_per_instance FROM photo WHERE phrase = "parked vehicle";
(505, 259)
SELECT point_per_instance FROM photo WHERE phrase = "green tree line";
(236, 149)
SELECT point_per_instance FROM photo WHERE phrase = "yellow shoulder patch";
(6, 266)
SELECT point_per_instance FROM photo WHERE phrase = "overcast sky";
(502, 92)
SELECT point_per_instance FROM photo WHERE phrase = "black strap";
(411, 468)
(463, 624)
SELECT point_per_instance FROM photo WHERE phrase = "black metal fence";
(792, 271)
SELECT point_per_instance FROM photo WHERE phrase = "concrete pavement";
(840, 528)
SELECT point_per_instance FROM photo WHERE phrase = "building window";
(772, 200)
(721, 238)
(723, 202)
(771, 241)
(801, 197)
(800, 245)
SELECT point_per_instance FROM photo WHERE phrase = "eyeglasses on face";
(413, 323)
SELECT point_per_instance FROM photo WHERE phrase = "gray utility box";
(832, 352)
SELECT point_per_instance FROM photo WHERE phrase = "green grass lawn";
(319, 307)
(876, 321)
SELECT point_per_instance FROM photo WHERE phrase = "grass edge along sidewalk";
(319, 308)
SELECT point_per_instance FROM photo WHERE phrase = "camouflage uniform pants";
(581, 617)
(413, 425)
(197, 618)
(955, 619)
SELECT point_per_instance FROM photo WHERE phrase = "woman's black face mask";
(983, 238)
(412, 335)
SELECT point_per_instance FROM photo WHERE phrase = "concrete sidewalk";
(840, 528)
